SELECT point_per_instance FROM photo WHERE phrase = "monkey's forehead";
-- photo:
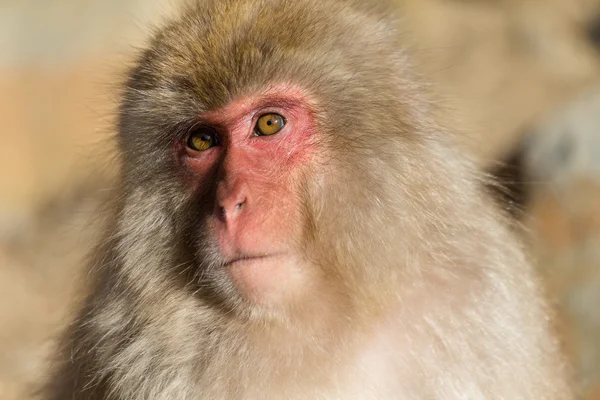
(218, 50)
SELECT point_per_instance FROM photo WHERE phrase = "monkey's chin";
(266, 280)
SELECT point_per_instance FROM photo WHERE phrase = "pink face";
(255, 215)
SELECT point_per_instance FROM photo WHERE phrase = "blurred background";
(520, 78)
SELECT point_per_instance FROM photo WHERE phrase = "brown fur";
(422, 292)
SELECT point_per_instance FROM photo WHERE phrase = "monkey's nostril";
(231, 209)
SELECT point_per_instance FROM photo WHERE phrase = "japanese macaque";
(295, 224)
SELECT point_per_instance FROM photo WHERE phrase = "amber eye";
(202, 139)
(269, 124)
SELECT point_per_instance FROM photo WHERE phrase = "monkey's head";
(272, 154)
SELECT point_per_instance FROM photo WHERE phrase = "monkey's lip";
(243, 259)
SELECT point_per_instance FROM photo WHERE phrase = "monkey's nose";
(231, 202)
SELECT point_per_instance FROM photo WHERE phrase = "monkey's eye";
(269, 124)
(202, 138)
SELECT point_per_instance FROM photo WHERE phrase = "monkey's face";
(270, 135)
(246, 162)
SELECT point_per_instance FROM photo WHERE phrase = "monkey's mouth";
(261, 278)
(247, 259)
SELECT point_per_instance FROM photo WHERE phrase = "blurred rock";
(563, 164)
(567, 144)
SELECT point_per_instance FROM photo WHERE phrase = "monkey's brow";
(276, 101)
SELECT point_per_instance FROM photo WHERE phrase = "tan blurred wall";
(60, 62)
(502, 64)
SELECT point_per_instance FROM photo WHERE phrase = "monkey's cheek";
(268, 281)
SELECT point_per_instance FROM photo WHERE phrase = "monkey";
(294, 221)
